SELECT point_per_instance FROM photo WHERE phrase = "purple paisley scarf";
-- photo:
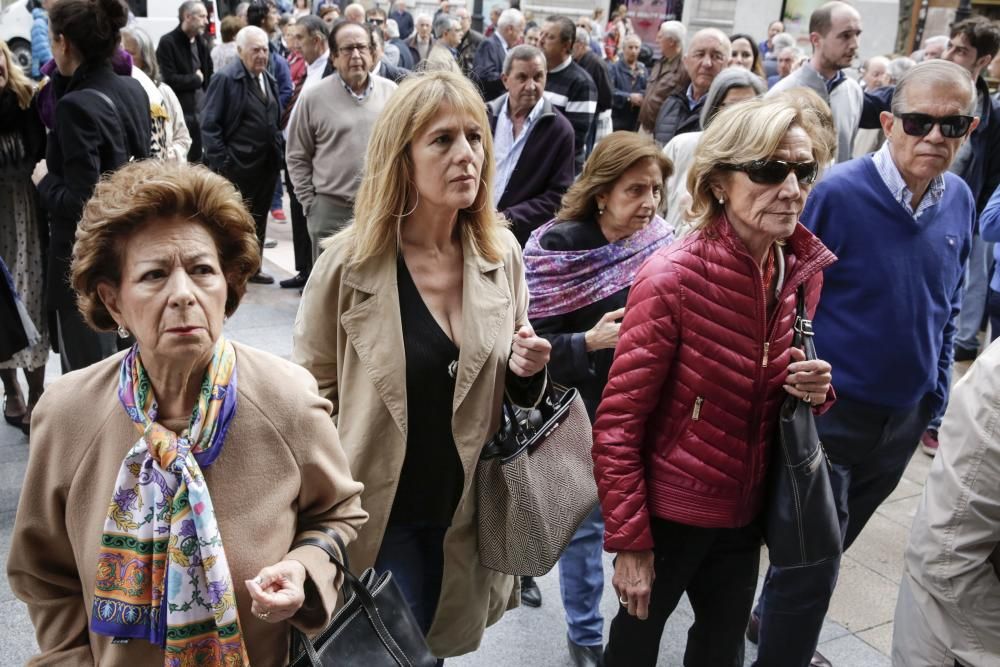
(561, 281)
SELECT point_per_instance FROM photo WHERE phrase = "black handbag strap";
(359, 591)
(803, 329)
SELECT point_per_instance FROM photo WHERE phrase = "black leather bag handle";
(358, 590)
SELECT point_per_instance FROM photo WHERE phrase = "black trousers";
(717, 568)
(257, 187)
(194, 153)
(301, 243)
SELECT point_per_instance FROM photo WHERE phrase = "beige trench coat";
(949, 598)
(349, 334)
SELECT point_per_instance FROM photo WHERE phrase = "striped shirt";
(570, 89)
(886, 168)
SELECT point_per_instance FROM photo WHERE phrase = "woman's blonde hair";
(152, 190)
(613, 156)
(748, 131)
(19, 83)
(388, 194)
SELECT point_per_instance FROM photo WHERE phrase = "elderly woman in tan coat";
(168, 485)
(414, 322)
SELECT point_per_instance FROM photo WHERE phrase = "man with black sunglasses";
(973, 45)
(834, 31)
(901, 227)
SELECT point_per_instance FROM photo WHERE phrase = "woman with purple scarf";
(579, 268)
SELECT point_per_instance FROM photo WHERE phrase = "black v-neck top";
(430, 484)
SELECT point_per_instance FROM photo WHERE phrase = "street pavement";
(858, 632)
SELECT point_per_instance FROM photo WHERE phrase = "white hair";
(582, 36)
(936, 39)
(900, 66)
(674, 30)
(782, 41)
(422, 16)
(247, 33)
(510, 17)
(392, 28)
(720, 36)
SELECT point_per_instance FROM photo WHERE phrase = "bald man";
(706, 56)
(834, 31)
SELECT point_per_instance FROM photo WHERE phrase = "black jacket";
(394, 74)
(595, 67)
(222, 116)
(676, 117)
(173, 54)
(102, 121)
(570, 364)
(543, 173)
(488, 66)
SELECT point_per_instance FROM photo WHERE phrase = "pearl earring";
(122, 331)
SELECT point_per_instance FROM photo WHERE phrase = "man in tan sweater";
(328, 134)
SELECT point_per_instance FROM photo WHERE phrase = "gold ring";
(808, 399)
(262, 615)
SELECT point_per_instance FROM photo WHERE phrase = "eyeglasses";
(921, 124)
(351, 48)
(376, 21)
(774, 172)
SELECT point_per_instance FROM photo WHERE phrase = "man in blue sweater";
(901, 226)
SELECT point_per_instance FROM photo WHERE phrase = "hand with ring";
(633, 581)
(808, 380)
(278, 591)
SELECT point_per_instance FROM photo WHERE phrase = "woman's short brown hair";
(143, 191)
(748, 131)
(613, 156)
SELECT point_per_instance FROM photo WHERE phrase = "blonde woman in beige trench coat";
(424, 220)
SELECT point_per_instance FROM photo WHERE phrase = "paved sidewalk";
(857, 634)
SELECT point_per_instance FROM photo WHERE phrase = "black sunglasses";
(774, 172)
(921, 124)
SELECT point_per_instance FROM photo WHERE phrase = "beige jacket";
(281, 471)
(348, 333)
(949, 599)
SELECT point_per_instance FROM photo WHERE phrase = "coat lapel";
(375, 330)
(485, 305)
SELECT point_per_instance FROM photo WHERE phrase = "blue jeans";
(414, 553)
(974, 302)
(869, 448)
(581, 581)
(278, 193)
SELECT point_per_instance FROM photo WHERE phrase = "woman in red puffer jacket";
(703, 363)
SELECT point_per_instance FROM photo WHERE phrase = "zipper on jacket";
(767, 347)
(696, 413)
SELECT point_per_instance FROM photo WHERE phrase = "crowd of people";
(476, 217)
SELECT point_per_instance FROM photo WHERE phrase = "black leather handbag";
(802, 527)
(374, 627)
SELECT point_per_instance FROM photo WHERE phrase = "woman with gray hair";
(731, 86)
(170, 137)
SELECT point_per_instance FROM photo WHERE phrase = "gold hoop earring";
(415, 205)
(469, 210)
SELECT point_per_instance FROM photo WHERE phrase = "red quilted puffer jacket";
(685, 422)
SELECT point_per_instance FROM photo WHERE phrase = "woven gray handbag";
(535, 483)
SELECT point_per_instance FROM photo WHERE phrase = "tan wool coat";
(349, 334)
(281, 471)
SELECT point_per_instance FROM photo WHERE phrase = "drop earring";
(122, 331)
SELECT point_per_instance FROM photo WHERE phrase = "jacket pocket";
(683, 426)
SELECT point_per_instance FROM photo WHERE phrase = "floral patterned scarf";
(162, 573)
(561, 281)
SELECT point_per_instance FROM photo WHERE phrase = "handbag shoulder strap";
(803, 329)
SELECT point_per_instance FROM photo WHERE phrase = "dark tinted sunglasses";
(921, 124)
(774, 172)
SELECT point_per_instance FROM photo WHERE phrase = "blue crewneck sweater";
(886, 317)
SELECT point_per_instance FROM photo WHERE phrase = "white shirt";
(314, 74)
(506, 148)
